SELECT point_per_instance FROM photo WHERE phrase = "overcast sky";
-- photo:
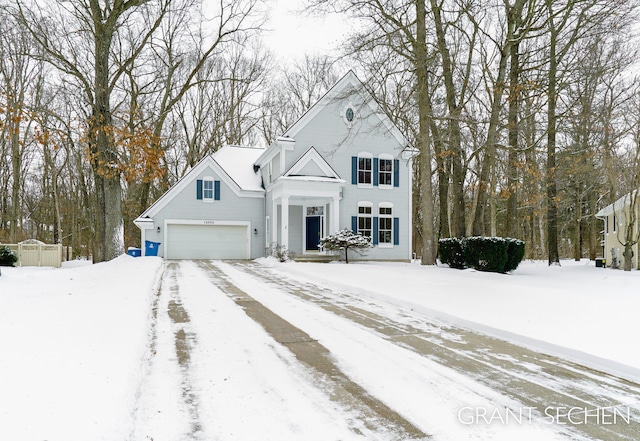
(292, 34)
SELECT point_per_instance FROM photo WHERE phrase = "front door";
(313, 232)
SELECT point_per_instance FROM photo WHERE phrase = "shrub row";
(493, 254)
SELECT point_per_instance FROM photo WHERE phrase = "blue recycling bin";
(151, 248)
(134, 252)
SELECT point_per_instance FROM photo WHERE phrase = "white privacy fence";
(38, 254)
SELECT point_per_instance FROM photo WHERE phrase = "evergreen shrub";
(346, 240)
(7, 256)
(450, 252)
(485, 253)
(493, 254)
(515, 254)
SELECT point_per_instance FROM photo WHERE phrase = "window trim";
(355, 115)
(369, 205)
(369, 156)
(385, 157)
(388, 216)
(205, 180)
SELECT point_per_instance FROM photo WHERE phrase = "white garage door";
(207, 242)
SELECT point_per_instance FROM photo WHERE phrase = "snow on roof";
(618, 205)
(238, 161)
(312, 179)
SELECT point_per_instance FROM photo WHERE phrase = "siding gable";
(206, 167)
(312, 164)
(311, 169)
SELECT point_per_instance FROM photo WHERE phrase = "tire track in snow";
(374, 414)
(170, 344)
(536, 380)
(185, 339)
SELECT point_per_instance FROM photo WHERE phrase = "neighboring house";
(616, 218)
(343, 164)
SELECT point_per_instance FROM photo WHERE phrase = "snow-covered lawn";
(575, 311)
(74, 342)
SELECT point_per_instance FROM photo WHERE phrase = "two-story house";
(343, 164)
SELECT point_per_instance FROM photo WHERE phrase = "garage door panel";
(207, 242)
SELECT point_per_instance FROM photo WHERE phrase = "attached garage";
(198, 241)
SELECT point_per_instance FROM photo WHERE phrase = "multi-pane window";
(365, 170)
(364, 221)
(385, 173)
(207, 189)
(385, 226)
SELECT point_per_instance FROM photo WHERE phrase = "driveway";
(242, 351)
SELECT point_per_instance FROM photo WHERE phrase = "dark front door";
(313, 232)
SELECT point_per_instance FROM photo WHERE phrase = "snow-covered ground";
(575, 311)
(74, 342)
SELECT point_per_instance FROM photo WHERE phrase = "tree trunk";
(628, 257)
(488, 160)
(13, 122)
(510, 49)
(16, 185)
(458, 224)
(424, 142)
(513, 129)
(577, 244)
(443, 167)
(594, 231)
(552, 191)
(105, 161)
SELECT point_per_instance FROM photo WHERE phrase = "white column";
(334, 225)
(285, 222)
(274, 223)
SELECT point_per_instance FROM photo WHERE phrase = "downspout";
(410, 217)
(604, 236)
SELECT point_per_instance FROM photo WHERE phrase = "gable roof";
(237, 162)
(348, 84)
(618, 205)
(339, 91)
(239, 175)
(312, 157)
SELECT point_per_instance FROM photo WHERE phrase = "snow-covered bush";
(280, 252)
(485, 253)
(493, 254)
(7, 256)
(346, 240)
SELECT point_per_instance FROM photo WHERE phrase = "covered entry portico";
(304, 209)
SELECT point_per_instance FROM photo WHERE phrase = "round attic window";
(349, 114)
